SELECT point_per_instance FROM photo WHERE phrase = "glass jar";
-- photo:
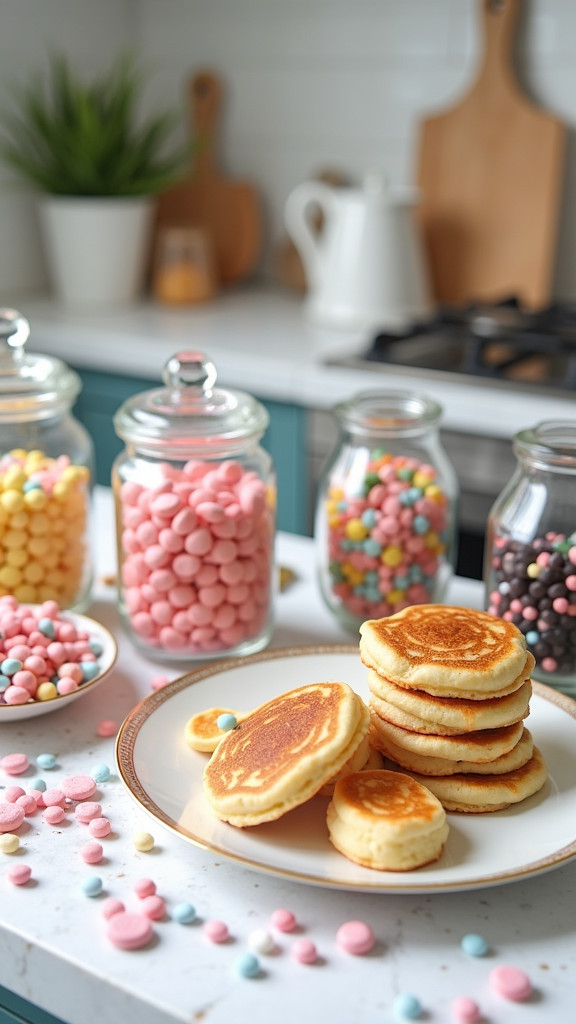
(387, 506)
(46, 473)
(530, 560)
(195, 499)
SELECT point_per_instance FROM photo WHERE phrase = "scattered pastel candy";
(283, 920)
(11, 817)
(355, 937)
(154, 907)
(54, 814)
(304, 951)
(46, 761)
(54, 797)
(216, 931)
(112, 906)
(248, 966)
(474, 945)
(78, 787)
(28, 803)
(87, 811)
(159, 682)
(99, 827)
(11, 793)
(19, 874)
(14, 764)
(92, 853)
(92, 886)
(43, 500)
(197, 557)
(9, 843)
(465, 1010)
(144, 887)
(261, 941)
(143, 841)
(38, 784)
(184, 913)
(226, 722)
(408, 1006)
(129, 931)
(107, 728)
(100, 773)
(510, 983)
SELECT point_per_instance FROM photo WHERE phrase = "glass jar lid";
(388, 414)
(32, 386)
(190, 416)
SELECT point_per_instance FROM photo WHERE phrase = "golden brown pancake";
(284, 752)
(385, 820)
(515, 758)
(482, 745)
(445, 650)
(478, 794)
(202, 731)
(423, 712)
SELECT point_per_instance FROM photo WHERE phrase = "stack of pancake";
(449, 691)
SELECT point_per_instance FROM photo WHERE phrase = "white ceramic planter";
(96, 248)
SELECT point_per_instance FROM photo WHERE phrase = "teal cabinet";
(14, 1010)
(285, 439)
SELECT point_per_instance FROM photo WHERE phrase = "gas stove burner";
(501, 341)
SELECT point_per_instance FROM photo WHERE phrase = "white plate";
(15, 712)
(164, 776)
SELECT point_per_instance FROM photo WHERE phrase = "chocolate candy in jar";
(46, 474)
(386, 510)
(195, 498)
(530, 558)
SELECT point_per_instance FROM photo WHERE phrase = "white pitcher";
(366, 269)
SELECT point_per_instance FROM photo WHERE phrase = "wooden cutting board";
(227, 208)
(490, 170)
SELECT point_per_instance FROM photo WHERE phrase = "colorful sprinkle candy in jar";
(530, 559)
(385, 520)
(46, 460)
(195, 501)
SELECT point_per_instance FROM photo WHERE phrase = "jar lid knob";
(190, 369)
(14, 333)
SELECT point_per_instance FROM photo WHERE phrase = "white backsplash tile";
(309, 84)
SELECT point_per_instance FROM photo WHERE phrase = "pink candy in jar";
(195, 497)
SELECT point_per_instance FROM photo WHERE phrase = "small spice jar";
(530, 560)
(46, 472)
(386, 512)
(185, 267)
(195, 498)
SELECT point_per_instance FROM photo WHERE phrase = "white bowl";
(106, 660)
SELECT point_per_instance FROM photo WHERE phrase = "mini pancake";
(483, 745)
(387, 821)
(515, 758)
(422, 712)
(366, 757)
(284, 752)
(202, 731)
(479, 794)
(445, 650)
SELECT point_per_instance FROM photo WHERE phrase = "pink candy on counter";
(197, 558)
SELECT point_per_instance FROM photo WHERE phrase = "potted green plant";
(97, 165)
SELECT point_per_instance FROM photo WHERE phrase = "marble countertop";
(53, 949)
(260, 342)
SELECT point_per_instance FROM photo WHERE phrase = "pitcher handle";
(298, 218)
